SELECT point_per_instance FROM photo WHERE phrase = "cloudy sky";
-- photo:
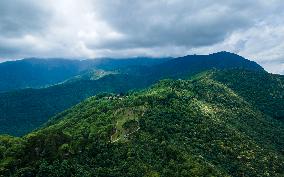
(122, 28)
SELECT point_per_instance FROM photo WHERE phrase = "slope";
(263, 90)
(196, 127)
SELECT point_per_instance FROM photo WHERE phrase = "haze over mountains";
(37, 72)
(24, 110)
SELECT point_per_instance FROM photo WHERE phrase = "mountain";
(37, 73)
(24, 110)
(197, 127)
(192, 64)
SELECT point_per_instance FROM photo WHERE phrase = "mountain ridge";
(37, 73)
(32, 107)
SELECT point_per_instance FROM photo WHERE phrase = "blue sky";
(122, 28)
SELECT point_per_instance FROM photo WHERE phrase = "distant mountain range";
(24, 110)
(37, 72)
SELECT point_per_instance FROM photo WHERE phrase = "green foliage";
(196, 127)
(261, 89)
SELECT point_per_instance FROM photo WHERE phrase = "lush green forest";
(197, 127)
(24, 110)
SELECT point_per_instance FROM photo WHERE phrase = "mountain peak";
(225, 53)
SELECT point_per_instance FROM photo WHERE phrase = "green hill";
(197, 127)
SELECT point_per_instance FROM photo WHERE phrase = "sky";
(157, 28)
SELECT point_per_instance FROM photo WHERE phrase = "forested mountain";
(197, 127)
(24, 110)
(36, 72)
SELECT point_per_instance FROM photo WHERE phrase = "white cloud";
(121, 28)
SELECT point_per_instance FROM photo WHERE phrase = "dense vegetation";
(263, 90)
(196, 127)
(25, 110)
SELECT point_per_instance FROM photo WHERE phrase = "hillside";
(24, 110)
(261, 89)
(196, 127)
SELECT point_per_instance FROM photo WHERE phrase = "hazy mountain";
(36, 72)
(188, 65)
